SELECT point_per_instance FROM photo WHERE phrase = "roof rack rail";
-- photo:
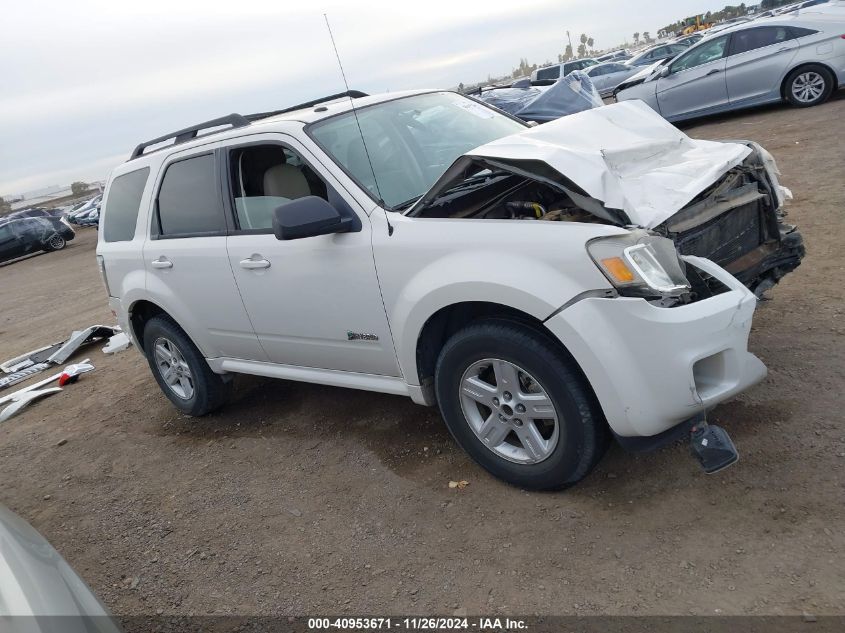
(352, 94)
(190, 133)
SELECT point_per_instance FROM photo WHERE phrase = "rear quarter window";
(189, 203)
(122, 205)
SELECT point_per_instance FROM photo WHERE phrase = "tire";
(55, 243)
(808, 86)
(189, 384)
(570, 445)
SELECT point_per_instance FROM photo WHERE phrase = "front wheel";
(808, 86)
(519, 405)
(180, 369)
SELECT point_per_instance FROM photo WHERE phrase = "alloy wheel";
(509, 411)
(808, 87)
(173, 368)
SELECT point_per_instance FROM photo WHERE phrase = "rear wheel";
(55, 243)
(808, 86)
(519, 406)
(180, 369)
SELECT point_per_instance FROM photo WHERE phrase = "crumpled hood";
(625, 155)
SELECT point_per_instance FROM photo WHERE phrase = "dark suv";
(22, 236)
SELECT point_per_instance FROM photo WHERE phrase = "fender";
(533, 267)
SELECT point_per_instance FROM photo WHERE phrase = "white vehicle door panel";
(758, 72)
(318, 295)
(190, 276)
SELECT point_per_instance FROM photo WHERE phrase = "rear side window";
(188, 200)
(751, 39)
(798, 31)
(121, 210)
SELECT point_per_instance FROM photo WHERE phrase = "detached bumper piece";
(712, 447)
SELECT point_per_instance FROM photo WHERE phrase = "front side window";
(188, 200)
(264, 177)
(410, 141)
(121, 210)
(751, 39)
(701, 54)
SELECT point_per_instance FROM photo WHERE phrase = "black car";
(22, 236)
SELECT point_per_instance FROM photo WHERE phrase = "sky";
(83, 82)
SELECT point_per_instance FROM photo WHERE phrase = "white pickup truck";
(525, 280)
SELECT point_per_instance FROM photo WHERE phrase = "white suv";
(427, 245)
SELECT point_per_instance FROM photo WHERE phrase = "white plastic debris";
(117, 343)
(21, 400)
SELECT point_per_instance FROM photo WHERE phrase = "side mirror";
(308, 217)
(664, 71)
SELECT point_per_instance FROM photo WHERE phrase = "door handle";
(254, 262)
(712, 72)
(784, 49)
(161, 262)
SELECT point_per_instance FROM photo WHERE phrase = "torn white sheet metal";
(57, 353)
(23, 400)
(625, 155)
(78, 338)
(117, 343)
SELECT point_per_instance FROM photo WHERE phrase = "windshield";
(411, 141)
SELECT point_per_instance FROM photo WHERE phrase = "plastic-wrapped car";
(534, 102)
(22, 236)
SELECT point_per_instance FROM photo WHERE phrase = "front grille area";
(727, 237)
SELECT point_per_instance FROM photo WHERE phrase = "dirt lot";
(299, 499)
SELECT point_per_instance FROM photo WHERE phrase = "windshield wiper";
(405, 205)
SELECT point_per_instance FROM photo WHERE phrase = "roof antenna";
(355, 114)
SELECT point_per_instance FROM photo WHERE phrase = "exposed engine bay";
(737, 222)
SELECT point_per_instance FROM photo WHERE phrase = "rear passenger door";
(757, 61)
(188, 271)
(314, 302)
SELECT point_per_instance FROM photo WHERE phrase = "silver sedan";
(609, 75)
(799, 58)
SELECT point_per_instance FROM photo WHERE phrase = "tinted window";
(121, 211)
(552, 72)
(798, 31)
(187, 201)
(750, 39)
(701, 54)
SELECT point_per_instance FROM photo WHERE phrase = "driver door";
(696, 81)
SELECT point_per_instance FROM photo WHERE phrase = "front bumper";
(651, 368)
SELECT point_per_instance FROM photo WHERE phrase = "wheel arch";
(140, 313)
(451, 318)
(806, 65)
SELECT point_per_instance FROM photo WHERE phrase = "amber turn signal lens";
(620, 271)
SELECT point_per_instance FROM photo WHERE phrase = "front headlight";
(639, 264)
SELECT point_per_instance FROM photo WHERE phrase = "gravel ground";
(303, 499)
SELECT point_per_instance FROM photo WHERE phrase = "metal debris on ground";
(22, 400)
(26, 365)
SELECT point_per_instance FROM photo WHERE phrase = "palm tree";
(637, 37)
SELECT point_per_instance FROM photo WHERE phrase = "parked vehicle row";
(797, 57)
(547, 287)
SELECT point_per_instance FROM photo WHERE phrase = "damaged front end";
(739, 223)
(624, 165)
